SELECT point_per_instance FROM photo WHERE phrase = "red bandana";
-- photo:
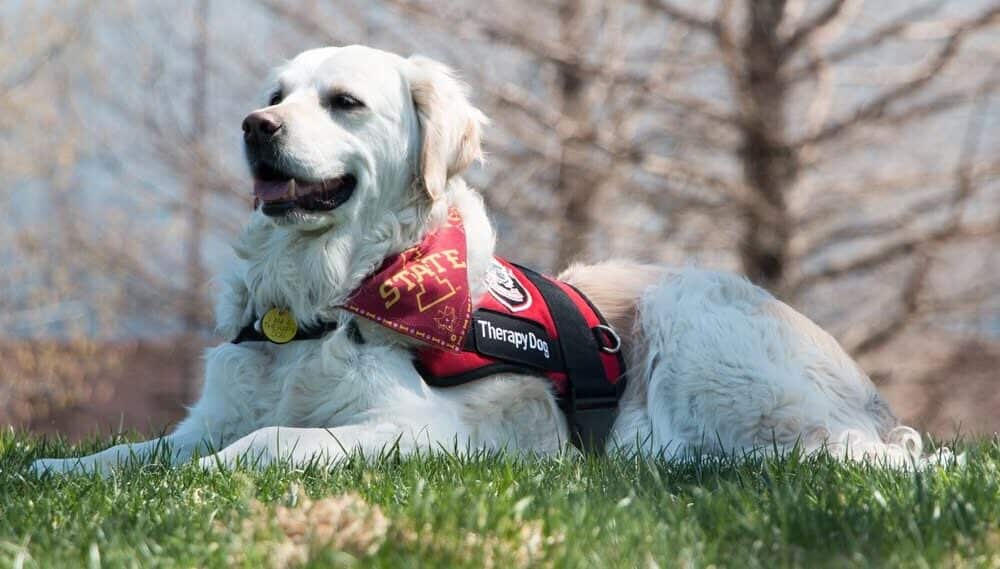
(422, 292)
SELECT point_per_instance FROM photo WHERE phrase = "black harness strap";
(592, 404)
(250, 333)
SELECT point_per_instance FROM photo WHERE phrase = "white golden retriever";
(356, 158)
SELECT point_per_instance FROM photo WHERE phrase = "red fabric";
(613, 369)
(449, 364)
(442, 364)
(422, 292)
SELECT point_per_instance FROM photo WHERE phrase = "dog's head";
(350, 128)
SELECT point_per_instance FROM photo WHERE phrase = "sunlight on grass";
(500, 511)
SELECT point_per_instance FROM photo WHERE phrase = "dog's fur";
(716, 364)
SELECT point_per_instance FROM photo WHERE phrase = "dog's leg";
(301, 446)
(219, 417)
(196, 435)
(731, 369)
(177, 447)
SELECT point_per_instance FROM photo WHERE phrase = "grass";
(501, 511)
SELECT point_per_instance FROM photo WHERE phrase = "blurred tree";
(769, 136)
(197, 316)
(40, 145)
(82, 153)
(780, 60)
(842, 154)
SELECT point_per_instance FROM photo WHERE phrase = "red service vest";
(518, 326)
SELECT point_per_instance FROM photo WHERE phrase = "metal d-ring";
(617, 346)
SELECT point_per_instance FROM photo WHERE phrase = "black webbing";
(593, 401)
(250, 334)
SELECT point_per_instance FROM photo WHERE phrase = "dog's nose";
(260, 126)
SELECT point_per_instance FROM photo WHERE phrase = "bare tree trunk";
(194, 315)
(572, 185)
(770, 167)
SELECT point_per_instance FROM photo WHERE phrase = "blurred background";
(844, 154)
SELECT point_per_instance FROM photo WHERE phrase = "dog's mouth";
(280, 194)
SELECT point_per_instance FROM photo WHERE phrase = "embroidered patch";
(504, 286)
(515, 340)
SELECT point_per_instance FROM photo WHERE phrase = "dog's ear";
(450, 126)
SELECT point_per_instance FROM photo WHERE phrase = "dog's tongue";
(269, 191)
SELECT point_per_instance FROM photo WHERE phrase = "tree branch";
(877, 107)
(300, 18)
(702, 24)
(873, 40)
(28, 70)
(806, 31)
(925, 249)
(912, 290)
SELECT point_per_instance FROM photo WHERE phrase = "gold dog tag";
(279, 325)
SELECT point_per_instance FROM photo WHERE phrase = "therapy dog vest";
(525, 323)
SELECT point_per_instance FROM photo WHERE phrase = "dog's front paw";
(47, 466)
(44, 466)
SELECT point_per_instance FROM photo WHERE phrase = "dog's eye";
(276, 97)
(343, 102)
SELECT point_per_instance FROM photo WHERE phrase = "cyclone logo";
(504, 286)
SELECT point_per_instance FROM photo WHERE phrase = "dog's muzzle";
(278, 197)
(277, 191)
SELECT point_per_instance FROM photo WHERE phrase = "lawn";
(500, 511)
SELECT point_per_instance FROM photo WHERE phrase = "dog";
(357, 158)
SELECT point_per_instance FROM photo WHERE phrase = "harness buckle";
(591, 420)
(605, 332)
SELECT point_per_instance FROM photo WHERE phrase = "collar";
(254, 332)
(422, 292)
(279, 327)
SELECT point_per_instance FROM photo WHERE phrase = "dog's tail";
(615, 288)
